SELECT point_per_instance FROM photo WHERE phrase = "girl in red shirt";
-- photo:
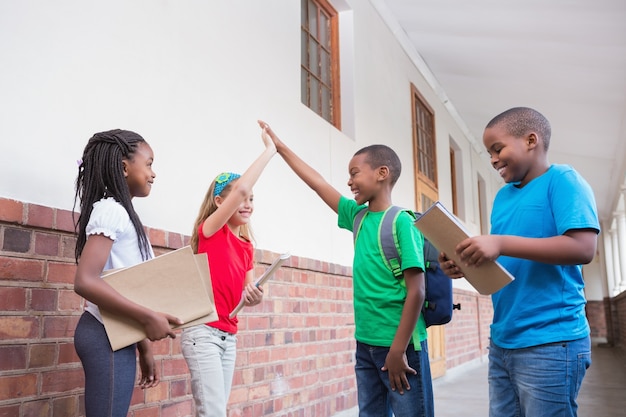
(221, 230)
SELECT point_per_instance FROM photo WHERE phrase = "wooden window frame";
(425, 186)
(334, 102)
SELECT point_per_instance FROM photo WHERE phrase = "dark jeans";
(375, 397)
(109, 376)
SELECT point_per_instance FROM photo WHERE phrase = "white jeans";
(210, 354)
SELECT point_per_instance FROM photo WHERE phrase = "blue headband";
(222, 181)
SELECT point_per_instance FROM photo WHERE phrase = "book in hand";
(176, 283)
(261, 280)
(445, 232)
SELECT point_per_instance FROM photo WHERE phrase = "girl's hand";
(449, 267)
(267, 139)
(252, 294)
(268, 134)
(159, 325)
(149, 374)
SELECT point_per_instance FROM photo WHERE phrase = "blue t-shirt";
(545, 303)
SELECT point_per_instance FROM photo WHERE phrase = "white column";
(615, 261)
(607, 251)
(620, 219)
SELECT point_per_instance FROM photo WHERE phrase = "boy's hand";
(397, 367)
(267, 130)
(449, 267)
(267, 139)
(478, 249)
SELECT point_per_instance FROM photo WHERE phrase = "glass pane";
(304, 55)
(314, 92)
(325, 67)
(304, 87)
(313, 57)
(326, 103)
(324, 36)
(313, 19)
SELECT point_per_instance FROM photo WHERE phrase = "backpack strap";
(387, 238)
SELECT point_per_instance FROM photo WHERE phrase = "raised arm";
(241, 189)
(311, 177)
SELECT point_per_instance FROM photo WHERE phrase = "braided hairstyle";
(101, 175)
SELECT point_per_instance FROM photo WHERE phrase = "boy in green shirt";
(392, 370)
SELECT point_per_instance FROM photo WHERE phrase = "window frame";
(307, 38)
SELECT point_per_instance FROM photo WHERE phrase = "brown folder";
(444, 231)
(177, 283)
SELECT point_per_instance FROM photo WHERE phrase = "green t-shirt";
(378, 295)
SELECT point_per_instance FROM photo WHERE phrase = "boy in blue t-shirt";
(392, 368)
(544, 226)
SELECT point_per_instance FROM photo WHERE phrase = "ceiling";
(564, 58)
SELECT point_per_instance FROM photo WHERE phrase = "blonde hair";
(208, 207)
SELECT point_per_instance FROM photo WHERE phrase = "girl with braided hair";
(221, 230)
(116, 166)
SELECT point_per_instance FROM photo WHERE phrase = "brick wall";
(295, 350)
(597, 319)
(467, 335)
(618, 305)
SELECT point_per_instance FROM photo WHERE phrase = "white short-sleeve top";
(109, 218)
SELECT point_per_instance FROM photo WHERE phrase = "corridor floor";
(464, 393)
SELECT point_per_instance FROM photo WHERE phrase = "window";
(424, 148)
(320, 59)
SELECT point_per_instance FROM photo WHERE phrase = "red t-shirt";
(229, 260)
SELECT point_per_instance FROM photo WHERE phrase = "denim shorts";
(538, 381)
(210, 354)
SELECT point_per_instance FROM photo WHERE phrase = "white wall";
(193, 77)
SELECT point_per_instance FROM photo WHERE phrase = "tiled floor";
(464, 392)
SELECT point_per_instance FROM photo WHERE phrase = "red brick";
(21, 269)
(67, 354)
(64, 221)
(12, 299)
(175, 240)
(18, 327)
(68, 248)
(62, 381)
(59, 326)
(12, 357)
(9, 410)
(69, 301)
(18, 386)
(16, 240)
(158, 393)
(46, 244)
(175, 367)
(11, 211)
(61, 273)
(179, 409)
(179, 388)
(147, 412)
(42, 356)
(43, 299)
(39, 216)
(39, 408)
(66, 406)
(156, 237)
